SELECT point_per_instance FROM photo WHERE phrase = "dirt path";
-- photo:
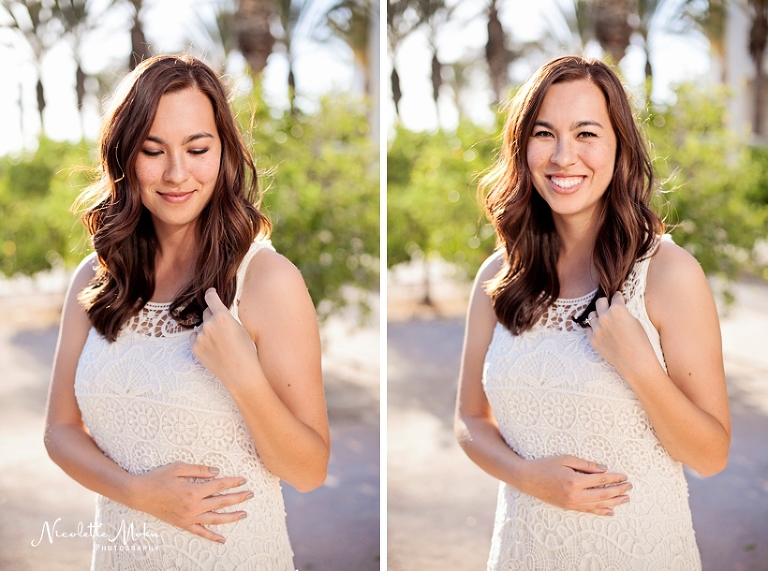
(334, 528)
(441, 506)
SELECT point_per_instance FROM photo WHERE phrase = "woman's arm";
(688, 404)
(279, 387)
(564, 481)
(165, 492)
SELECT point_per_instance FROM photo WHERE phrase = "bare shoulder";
(271, 271)
(673, 271)
(83, 275)
(489, 269)
(274, 293)
(676, 283)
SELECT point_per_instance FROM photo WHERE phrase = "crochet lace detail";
(154, 320)
(553, 394)
(147, 402)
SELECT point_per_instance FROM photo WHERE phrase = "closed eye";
(151, 153)
(198, 151)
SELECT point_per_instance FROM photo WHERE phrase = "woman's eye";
(151, 153)
(198, 151)
(542, 134)
(587, 134)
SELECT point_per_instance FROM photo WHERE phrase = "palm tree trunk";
(758, 38)
(437, 82)
(496, 53)
(40, 102)
(612, 30)
(397, 93)
(139, 46)
(254, 38)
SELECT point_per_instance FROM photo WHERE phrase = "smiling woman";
(586, 408)
(160, 400)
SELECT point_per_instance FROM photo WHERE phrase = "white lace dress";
(147, 401)
(553, 394)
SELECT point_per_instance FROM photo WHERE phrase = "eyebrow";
(195, 137)
(577, 125)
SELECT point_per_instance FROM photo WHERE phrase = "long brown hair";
(528, 283)
(121, 227)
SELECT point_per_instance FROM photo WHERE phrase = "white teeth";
(566, 182)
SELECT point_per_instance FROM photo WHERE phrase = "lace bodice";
(552, 394)
(147, 401)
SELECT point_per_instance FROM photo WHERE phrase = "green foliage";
(711, 179)
(714, 193)
(432, 203)
(36, 228)
(322, 180)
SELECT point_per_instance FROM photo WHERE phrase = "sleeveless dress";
(147, 401)
(552, 394)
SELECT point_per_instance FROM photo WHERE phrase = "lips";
(565, 184)
(176, 197)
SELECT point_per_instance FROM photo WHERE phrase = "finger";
(214, 503)
(218, 485)
(585, 466)
(601, 305)
(206, 533)
(592, 315)
(604, 479)
(618, 298)
(195, 471)
(207, 314)
(608, 493)
(192, 338)
(217, 518)
(214, 301)
(609, 505)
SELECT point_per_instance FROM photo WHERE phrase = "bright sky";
(319, 68)
(675, 58)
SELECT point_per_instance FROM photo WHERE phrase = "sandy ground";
(441, 505)
(334, 528)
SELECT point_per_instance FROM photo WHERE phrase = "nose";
(565, 153)
(175, 170)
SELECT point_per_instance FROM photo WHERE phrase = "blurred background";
(304, 79)
(696, 72)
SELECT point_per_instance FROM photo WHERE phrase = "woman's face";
(178, 164)
(572, 149)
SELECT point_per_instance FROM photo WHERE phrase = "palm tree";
(217, 37)
(399, 26)
(139, 46)
(433, 14)
(572, 28)
(612, 28)
(254, 38)
(758, 39)
(40, 30)
(351, 20)
(497, 54)
(293, 17)
(710, 19)
(75, 17)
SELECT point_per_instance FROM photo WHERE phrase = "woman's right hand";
(169, 494)
(574, 484)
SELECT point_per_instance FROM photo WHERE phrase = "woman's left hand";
(619, 337)
(221, 342)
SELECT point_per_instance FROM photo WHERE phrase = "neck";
(575, 264)
(176, 254)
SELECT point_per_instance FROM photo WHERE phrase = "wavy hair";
(121, 228)
(528, 283)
